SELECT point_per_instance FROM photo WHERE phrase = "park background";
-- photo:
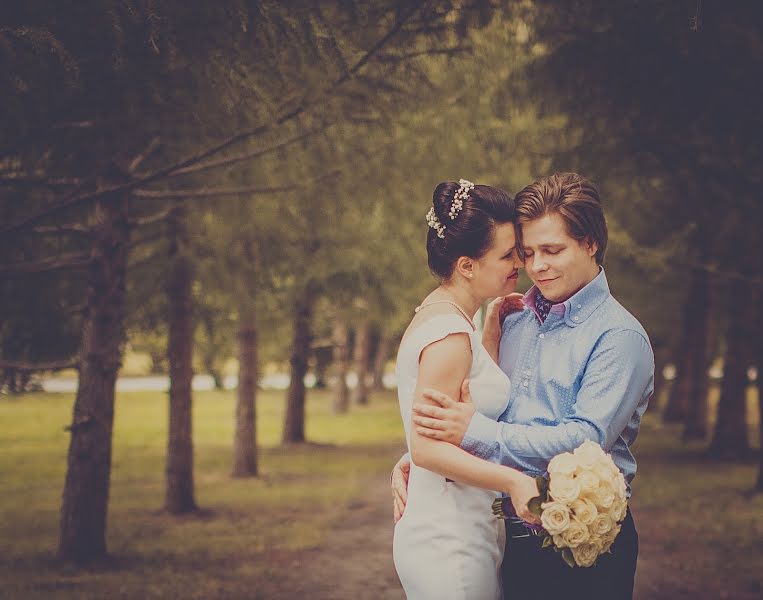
(237, 190)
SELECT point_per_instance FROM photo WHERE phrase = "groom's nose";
(538, 263)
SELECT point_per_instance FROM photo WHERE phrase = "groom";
(581, 368)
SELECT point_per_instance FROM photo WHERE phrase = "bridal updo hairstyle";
(471, 232)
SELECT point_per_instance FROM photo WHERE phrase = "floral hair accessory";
(435, 224)
(462, 193)
(464, 187)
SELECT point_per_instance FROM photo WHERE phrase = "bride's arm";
(443, 366)
(491, 333)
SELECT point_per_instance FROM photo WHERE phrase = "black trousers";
(530, 572)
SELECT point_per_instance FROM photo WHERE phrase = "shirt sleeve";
(619, 375)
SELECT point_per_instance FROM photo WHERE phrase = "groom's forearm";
(525, 447)
(616, 383)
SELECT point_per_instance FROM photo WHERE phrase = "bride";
(448, 545)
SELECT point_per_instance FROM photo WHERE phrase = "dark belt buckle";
(527, 532)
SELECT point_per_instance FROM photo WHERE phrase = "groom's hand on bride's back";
(399, 484)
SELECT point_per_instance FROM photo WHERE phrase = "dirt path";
(354, 563)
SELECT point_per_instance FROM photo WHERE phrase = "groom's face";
(557, 263)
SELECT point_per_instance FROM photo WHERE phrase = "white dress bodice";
(449, 545)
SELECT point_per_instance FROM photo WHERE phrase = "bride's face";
(496, 273)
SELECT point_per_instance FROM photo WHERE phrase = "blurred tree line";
(249, 179)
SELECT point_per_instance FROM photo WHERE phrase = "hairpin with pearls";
(462, 193)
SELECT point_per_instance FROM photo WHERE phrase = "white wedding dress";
(448, 544)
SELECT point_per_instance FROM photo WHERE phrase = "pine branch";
(226, 162)
(140, 157)
(151, 219)
(73, 260)
(211, 192)
(74, 200)
(391, 58)
(137, 264)
(71, 228)
(50, 182)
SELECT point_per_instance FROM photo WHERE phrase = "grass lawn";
(224, 552)
(697, 528)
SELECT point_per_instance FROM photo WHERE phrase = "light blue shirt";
(586, 373)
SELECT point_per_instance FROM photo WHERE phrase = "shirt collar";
(581, 305)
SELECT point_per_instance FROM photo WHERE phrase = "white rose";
(621, 489)
(559, 541)
(602, 525)
(588, 481)
(608, 538)
(619, 510)
(555, 517)
(575, 534)
(603, 496)
(585, 554)
(588, 454)
(562, 464)
(564, 488)
(605, 469)
(584, 510)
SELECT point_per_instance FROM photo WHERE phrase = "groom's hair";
(575, 199)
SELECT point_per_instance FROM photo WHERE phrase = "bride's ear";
(465, 267)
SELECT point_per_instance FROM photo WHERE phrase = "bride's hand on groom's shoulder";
(496, 314)
(509, 304)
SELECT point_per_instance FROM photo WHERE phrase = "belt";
(518, 529)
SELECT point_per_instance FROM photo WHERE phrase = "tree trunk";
(245, 440)
(700, 314)
(362, 354)
(758, 352)
(380, 360)
(759, 483)
(86, 489)
(730, 439)
(210, 354)
(179, 496)
(294, 421)
(678, 397)
(323, 356)
(341, 366)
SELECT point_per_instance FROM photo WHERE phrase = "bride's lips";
(514, 275)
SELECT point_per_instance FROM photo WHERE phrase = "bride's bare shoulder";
(425, 314)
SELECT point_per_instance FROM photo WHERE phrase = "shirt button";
(524, 383)
(576, 318)
(541, 335)
(580, 306)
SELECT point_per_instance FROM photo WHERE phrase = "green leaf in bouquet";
(568, 558)
(542, 484)
(534, 506)
(547, 541)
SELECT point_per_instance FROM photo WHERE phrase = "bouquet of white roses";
(580, 506)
